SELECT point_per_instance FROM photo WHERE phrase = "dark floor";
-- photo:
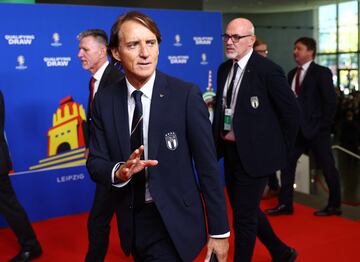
(349, 169)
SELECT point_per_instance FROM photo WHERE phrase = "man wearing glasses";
(256, 120)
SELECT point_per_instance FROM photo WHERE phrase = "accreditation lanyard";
(229, 111)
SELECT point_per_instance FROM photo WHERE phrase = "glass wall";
(339, 43)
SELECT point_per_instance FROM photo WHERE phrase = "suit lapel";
(245, 83)
(121, 118)
(157, 109)
(307, 76)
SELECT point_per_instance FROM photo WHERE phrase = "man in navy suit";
(10, 207)
(316, 95)
(93, 47)
(160, 201)
(255, 124)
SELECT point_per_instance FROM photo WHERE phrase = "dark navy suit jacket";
(317, 100)
(5, 162)
(176, 107)
(266, 133)
(110, 76)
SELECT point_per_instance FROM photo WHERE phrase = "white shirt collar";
(147, 89)
(100, 71)
(306, 65)
(243, 61)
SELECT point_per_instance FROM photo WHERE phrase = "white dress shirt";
(98, 75)
(230, 136)
(304, 70)
(147, 90)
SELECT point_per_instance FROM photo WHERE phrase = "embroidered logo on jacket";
(171, 140)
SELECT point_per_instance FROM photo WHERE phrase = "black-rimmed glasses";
(234, 38)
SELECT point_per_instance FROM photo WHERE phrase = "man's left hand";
(219, 246)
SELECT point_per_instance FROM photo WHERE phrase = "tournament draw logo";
(56, 40)
(203, 59)
(177, 40)
(21, 63)
(203, 40)
(57, 61)
(178, 59)
(19, 39)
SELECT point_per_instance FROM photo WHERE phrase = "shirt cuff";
(226, 235)
(118, 184)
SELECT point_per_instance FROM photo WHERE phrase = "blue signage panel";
(46, 91)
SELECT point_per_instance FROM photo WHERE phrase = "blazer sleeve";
(99, 162)
(203, 152)
(286, 105)
(328, 96)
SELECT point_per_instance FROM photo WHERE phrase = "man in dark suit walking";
(150, 115)
(255, 124)
(316, 96)
(10, 207)
(93, 50)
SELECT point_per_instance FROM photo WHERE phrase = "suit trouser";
(321, 147)
(245, 193)
(99, 221)
(15, 214)
(273, 182)
(152, 242)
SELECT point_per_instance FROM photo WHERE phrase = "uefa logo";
(177, 40)
(56, 40)
(203, 59)
(21, 63)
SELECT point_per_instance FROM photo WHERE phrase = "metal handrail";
(345, 151)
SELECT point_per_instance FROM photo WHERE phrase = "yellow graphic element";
(58, 162)
(66, 139)
(67, 130)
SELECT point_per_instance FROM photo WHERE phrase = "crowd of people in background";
(347, 121)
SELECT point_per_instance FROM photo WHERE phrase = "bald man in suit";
(256, 119)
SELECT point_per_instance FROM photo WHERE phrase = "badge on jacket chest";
(171, 140)
(254, 100)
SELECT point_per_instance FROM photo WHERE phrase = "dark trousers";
(99, 221)
(245, 193)
(273, 182)
(15, 214)
(321, 147)
(152, 241)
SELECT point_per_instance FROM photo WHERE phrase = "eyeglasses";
(262, 51)
(234, 38)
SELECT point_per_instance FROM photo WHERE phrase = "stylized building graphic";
(209, 97)
(66, 141)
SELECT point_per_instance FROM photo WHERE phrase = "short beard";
(231, 55)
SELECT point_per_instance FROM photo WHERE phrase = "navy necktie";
(136, 140)
(231, 86)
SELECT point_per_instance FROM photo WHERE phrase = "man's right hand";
(134, 165)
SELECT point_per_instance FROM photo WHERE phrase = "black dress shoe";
(27, 254)
(280, 210)
(328, 211)
(289, 256)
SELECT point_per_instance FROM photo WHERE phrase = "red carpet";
(316, 239)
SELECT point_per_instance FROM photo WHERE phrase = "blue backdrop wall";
(39, 68)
